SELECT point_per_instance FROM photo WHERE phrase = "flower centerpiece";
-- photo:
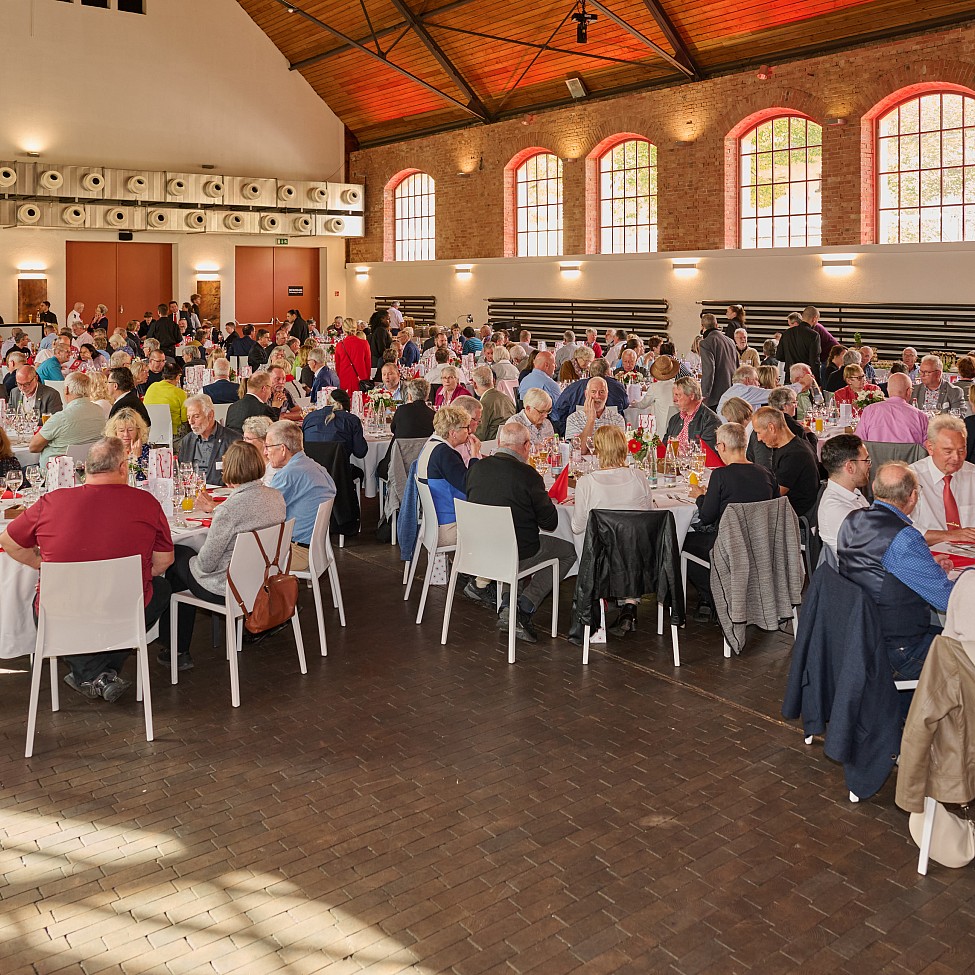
(381, 401)
(630, 377)
(866, 398)
(642, 444)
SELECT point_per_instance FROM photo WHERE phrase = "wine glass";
(35, 478)
(13, 481)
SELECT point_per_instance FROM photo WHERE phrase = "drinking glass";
(35, 478)
(13, 480)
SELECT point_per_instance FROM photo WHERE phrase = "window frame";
(652, 196)
(427, 244)
(521, 164)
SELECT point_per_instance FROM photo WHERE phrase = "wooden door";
(145, 279)
(254, 277)
(296, 268)
(91, 277)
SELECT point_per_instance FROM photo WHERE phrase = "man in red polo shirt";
(59, 528)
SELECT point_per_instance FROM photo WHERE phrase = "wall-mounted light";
(463, 270)
(31, 266)
(31, 276)
(207, 276)
(571, 270)
(684, 267)
(362, 273)
(208, 267)
(837, 264)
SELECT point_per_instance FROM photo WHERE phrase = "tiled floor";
(418, 808)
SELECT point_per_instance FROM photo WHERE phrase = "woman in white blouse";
(614, 487)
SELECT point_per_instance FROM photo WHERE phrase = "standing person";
(395, 317)
(379, 340)
(353, 358)
(734, 320)
(165, 331)
(57, 528)
(100, 318)
(719, 360)
(44, 314)
(297, 326)
(810, 315)
(75, 316)
(800, 343)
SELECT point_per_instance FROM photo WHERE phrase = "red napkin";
(219, 500)
(711, 459)
(7, 496)
(559, 491)
(205, 522)
(961, 561)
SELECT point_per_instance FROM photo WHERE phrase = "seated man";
(784, 398)
(253, 403)
(58, 529)
(693, 421)
(121, 386)
(593, 414)
(259, 351)
(745, 385)
(934, 392)
(848, 465)
(304, 484)
(628, 367)
(803, 383)
(222, 389)
(793, 461)
(895, 420)
(323, 376)
(574, 394)
(496, 407)
(280, 400)
(207, 441)
(505, 479)
(946, 508)
(30, 394)
(51, 369)
(541, 377)
(909, 358)
(392, 385)
(80, 422)
(880, 550)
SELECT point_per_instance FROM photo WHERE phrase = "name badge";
(219, 465)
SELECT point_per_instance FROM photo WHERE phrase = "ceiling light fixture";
(765, 73)
(576, 86)
(582, 22)
(684, 267)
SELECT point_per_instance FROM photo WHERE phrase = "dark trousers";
(181, 579)
(539, 585)
(700, 544)
(87, 666)
(906, 663)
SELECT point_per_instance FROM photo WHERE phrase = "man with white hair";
(222, 390)
(946, 508)
(496, 407)
(75, 316)
(909, 358)
(934, 392)
(506, 480)
(808, 393)
(324, 376)
(80, 422)
(207, 441)
(694, 420)
(593, 414)
(745, 385)
(395, 317)
(30, 395)
(866, 357)
(895, 420)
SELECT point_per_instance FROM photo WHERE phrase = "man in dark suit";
(800, 343)
(260, 351)
(506, 480)
(44, 313)
(166, 332)
(122, 386)
(719, 360)
(259, 388)
(242, 344)
(323, 375)
(222, 390)
(207, 441)
(30, 394)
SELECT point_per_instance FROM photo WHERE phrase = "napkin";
(205, 522)
(559, 491)
(7, 496)
(711, 459)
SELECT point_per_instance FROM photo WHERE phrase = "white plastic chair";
(487, 547)
(78, 452)
(321, 558)
(510, 388)
(247, 571)
(220, 411)
(161, 429)
(426, 538)
(927, 829)
(57, 384)
(112, 618)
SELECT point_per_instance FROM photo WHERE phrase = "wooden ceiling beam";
(335, 32)
(664, 22)
(474, 102)
(675, 62)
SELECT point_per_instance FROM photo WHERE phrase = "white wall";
(923, 273)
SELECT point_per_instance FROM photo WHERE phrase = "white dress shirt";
(835, 504)
(929, 515)
(395, 318)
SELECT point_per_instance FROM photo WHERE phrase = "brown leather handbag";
(277, 598)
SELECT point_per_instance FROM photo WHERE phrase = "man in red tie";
(946, 508)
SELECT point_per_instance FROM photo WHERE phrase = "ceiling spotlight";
(765, 73)
(290, 10)
(582, 22)
(576, 86)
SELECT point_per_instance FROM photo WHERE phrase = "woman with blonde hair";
(133, 431)
(353, 359)
(768, 377)
(737, 410)
(100, 393)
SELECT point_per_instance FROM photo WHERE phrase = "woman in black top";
(380, 339)
(739, 481)
(411, 421)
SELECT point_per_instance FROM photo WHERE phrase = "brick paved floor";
(407, 807)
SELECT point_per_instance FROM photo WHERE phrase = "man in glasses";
(29, 394)
(848, 464)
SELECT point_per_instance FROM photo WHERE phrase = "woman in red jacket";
(353, 360)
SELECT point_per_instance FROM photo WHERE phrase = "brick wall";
(689, 125)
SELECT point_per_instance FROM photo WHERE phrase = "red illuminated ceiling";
(393, 69)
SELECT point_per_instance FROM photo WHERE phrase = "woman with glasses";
(538, 405)
(255, 431)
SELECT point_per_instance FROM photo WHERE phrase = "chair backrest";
(161, 429)
(509, 387)
(403, 453)
(881, 452)
(430, 524)
(247, 566)
(88, 607)
(57, 384)
(220, 411)
(78, 452)
(486, 542)
(318, 548)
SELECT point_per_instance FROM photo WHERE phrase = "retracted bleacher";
(421, 308)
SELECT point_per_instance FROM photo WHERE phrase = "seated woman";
(87, 360)
(8, 460)
(503, 367)
(442, 468)
(737, 410)
(249, 506)
(739, 481)
(856, 383)
(538, 405)
(131, 429)
(618, 487)
(336, 422)
(100, 395)
(450, 387)
(255, 432)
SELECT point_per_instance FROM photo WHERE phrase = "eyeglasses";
(931, 372)
(269, 446)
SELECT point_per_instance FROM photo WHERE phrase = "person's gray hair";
(151, 345)
(201, 400)
(501, 354)
(221, 367)
(781, 397)
(945, 422)
(744, 372)
(852, 358)
(257, 426)
(15, 359)
(78, 384)
(895, 482)
(105, 456)
(689, 385)
(793, 318)
(120, 359)
(732, 435)
(810, 314)
(513, 434)
(584, 355)
(449, 371)
(768, 416)
(316, 355)
(538, 399)
(136, 366)
(741, 331)
(517, 353)
(568, 335)
(287, 433)
(933, 360)
(417, 390)
(468, 403)
(483, 377)
(798, 369)
(598, 368)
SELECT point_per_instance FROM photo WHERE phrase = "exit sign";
(282, 240)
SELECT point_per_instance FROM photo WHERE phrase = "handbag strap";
(267, 567)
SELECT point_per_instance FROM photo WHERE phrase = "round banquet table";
(378, 447)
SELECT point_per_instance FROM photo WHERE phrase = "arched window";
(628, 198)
(415, 218)
(926, 170)
(538, 206)
(780, 183)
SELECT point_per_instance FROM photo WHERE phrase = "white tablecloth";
(25, 457)
(377, 450)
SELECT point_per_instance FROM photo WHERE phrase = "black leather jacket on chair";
(628, 553)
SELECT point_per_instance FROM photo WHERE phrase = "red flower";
(635, 446)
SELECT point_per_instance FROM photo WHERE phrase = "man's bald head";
(899, 386)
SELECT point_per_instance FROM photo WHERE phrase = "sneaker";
(183, 660)
(523, 625)
(85, 688)
(110, 686)
(487, 595)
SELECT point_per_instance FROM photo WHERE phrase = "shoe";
(85, 688)
(487, 595)
(253, 638)
(523, 625)
(183, 660)
(110, 686)
(703, 613)
(625, 622)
